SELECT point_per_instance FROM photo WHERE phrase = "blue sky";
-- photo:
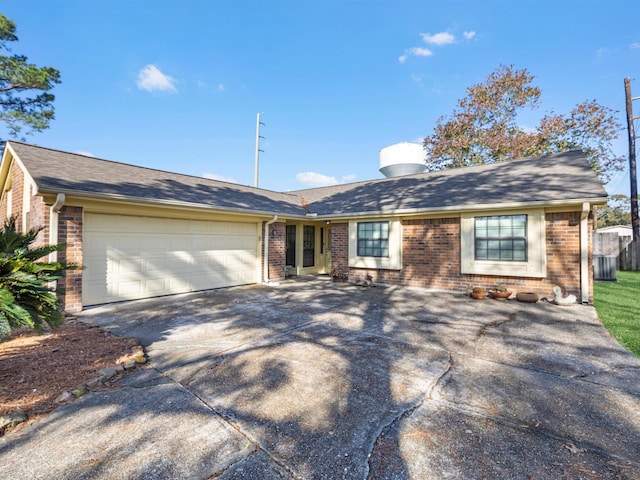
(176, 85)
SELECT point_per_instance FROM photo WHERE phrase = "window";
(373, 239)
(375, 243)
(308, 245)
(290, 248)
(504, 243)
(501, 237)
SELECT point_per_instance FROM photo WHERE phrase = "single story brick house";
(141, 232)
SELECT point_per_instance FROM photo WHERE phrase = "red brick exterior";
(431, 257)
(38, 214)
(277, 251)
(70, 234)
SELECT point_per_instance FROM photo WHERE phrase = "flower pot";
(499, 295)
(527, 297)
(478, 296)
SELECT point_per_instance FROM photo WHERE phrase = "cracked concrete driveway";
(314, 380)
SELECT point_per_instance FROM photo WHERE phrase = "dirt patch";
(36, 369)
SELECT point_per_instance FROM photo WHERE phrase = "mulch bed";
(36, 369)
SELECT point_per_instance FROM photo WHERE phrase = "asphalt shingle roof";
(56, 171)
(552, 178)
(555, 178)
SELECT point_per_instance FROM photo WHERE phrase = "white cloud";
(634, 45)
(415, 52)
(442, 38)
(469, 35)
(313, 179)
(221, 87)
(202, 84)
(151, 79)
(86, 154)
(221, 178)
(604, 52)
(417, 78)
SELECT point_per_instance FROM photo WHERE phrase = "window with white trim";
(504, 243)
(373, 239)
(375, 243)
(501, 237)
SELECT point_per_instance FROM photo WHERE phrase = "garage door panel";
(138, 257)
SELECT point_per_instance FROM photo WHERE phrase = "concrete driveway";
(314, 380)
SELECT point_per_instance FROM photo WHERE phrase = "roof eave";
(115, 198)
(574, 202)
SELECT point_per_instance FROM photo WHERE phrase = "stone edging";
(102, 379)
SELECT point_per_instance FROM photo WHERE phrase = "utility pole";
(635, 222)
(257, 162)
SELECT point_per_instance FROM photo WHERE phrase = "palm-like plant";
(26, 297)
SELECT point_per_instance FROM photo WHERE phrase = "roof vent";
(402, 159)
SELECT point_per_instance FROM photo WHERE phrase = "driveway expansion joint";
(256, 445)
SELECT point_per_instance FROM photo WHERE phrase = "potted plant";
(478, 293)
(338, 276)
(500, 292)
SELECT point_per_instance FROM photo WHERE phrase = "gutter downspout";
(266, 280)
(54, 210)
(584, 253)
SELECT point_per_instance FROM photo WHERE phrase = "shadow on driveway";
(315, 380)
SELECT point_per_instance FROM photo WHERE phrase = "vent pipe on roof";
(402, 159)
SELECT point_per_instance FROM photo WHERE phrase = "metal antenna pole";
(257, 162)
(635, 222)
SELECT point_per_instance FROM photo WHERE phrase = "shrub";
(26, 295)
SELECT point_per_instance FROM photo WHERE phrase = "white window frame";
(534, 267)
(392, 262)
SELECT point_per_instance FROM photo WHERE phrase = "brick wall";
(70, 233)
(17, 189)
(340, 247)
(431, 257)
(39, 217)
(277, 251)
(38, 211)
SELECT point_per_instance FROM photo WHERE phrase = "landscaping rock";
(94, 382)
(64, 397)
(12, 419)
(108, 372)
(80, 391)
(140, 359)
(129, 365)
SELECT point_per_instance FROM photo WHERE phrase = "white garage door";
(127, 258)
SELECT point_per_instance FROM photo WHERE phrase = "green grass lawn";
(618, 306)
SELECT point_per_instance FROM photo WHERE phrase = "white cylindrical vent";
(402, 159)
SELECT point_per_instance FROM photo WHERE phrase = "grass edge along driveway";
(618, 306)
